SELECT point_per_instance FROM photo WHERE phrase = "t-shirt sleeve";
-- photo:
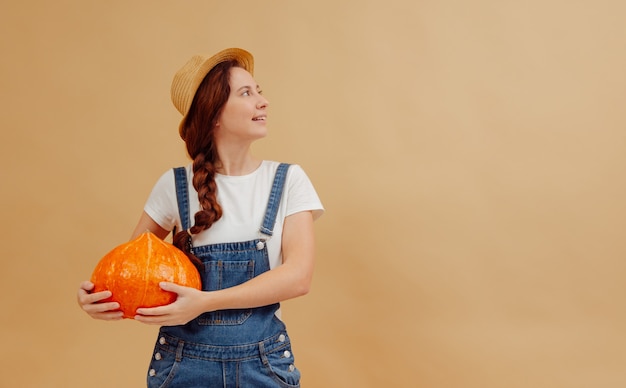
(301, 195)
(161, 205)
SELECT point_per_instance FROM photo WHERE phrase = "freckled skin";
(133, 271)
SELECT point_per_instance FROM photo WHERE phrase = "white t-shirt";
(243, 200)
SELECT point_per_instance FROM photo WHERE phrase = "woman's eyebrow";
(258, 87)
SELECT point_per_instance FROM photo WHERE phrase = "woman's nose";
(263, 103)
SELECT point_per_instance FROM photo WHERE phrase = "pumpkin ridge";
(127, 267)
(146, 270)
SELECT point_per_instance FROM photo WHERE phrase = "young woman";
(247, 222)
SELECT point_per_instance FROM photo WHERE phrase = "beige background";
(471, 156)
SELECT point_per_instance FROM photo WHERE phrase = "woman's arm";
(146, 223)
(289, 280)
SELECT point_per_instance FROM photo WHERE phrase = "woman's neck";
(243, 164)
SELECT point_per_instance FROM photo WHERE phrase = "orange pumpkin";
(132, 272)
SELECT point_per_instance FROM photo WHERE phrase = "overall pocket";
(221, 274)
(279, 366)
(163, 369)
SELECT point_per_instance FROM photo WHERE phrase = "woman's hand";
(89, 302)
(188, 305)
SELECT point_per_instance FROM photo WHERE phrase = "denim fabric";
(177, 363)
(274, 200)
(227, 348)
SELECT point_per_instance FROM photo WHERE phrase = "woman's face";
(244, 116)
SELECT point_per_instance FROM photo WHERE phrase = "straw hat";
(188, 78)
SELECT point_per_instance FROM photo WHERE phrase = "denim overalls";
(227, 348)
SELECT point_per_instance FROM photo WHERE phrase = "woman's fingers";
(92, 303)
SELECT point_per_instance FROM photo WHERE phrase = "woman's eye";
(246, 93)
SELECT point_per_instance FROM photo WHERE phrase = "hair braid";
(199, 138)
(204, 182)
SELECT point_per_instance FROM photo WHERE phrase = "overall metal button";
(157, 356)
(152, 372)
(281, 338)
(292, 368)
(260, 245)
(162, 340)
(287, 354)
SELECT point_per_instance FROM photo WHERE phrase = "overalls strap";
(182, 196)
(273, 203)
